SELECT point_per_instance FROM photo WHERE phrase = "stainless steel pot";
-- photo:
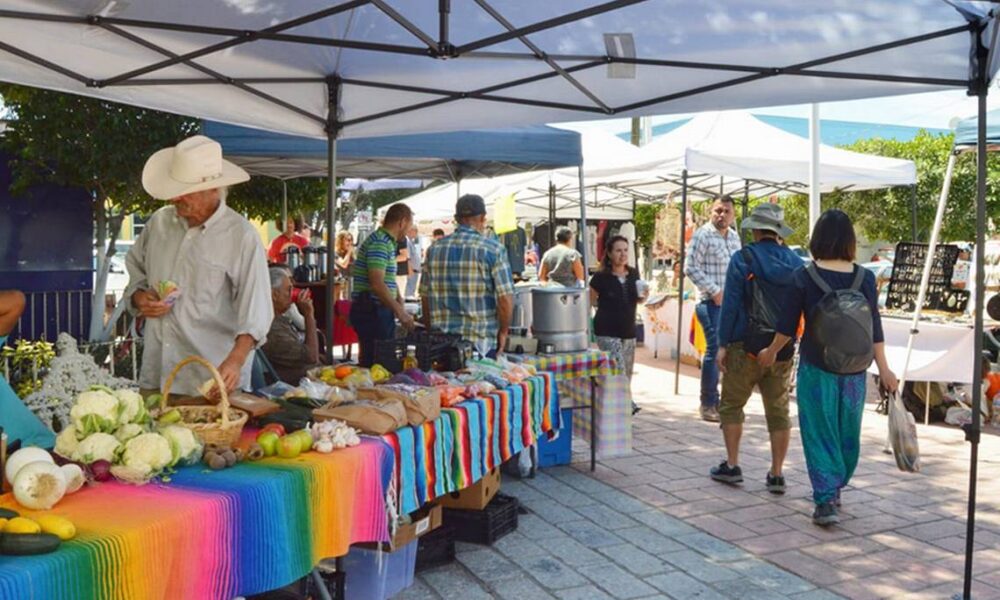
(560, 316)
(522, 307)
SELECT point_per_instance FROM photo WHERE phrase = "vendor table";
(941, 351)
(471, 438)
(210, 534)
(592, 380)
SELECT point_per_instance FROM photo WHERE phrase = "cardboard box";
(476, 496)
(422, 522)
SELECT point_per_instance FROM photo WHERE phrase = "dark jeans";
(371, 321)
(708, 315)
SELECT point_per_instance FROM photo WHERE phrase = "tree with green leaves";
(101, 146)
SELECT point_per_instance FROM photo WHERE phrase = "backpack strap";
(859, 278)
(817, 279)
(748, 261)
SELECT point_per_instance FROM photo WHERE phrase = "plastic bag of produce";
(903, 435)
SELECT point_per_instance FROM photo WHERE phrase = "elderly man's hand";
(230, 372)
(305, 305)
(149, 304)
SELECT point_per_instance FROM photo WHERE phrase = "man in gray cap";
(466, 286)
(758, 280)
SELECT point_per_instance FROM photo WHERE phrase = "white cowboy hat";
(194, 165)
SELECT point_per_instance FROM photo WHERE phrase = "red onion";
(101, 470)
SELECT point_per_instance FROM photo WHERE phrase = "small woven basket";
(227, 433)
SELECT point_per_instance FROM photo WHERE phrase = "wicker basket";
(227, 433)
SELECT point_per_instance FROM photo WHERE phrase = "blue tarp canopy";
(450, 156)
(965, 133)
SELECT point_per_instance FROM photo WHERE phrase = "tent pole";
(913, 211)
(284, 204)
(972, 430)
(680, 285)
(552, 216)
(815, 202)
(332, 129)
(583, 227)
(746, 204)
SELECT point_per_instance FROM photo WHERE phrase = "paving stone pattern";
(653, 525)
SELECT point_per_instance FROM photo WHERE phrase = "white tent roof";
(401, 66)
(737, 146)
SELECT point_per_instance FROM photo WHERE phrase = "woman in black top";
(614, 292)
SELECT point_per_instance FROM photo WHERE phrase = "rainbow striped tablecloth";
(210, 534)
(469, 439)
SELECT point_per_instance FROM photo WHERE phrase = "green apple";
(289, 446)
(268, 440)
(305, 439)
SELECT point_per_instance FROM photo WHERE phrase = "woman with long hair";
(614, 292)
(344, 259)
(829, 392)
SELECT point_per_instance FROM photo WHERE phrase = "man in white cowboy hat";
(758, 282)
(214, 258)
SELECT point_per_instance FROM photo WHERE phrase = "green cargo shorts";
(742, 374)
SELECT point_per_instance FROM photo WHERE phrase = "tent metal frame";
(442, 48)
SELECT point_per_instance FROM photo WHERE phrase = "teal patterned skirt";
(830, 411)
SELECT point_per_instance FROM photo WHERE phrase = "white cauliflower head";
(95, 410)
(148, 450)
(184, 444)
(128, 431)
(97, 446)
(67, 443)
(133, 409)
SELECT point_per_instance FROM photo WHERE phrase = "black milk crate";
(390, 354)
(487, 525)
(436, 549)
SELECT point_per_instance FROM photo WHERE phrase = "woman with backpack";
(843, 334)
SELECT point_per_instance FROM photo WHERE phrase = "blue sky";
(935, 110)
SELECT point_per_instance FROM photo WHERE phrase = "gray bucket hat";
(770, 217)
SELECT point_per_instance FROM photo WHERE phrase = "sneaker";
(635, 408)
(826, 515)
(775, 485)
(727, 474)
(710, 414)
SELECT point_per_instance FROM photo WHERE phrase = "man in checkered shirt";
(708, 258)
(466, 287)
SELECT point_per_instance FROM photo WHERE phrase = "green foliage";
(28, 362)
(645, 223)
(83, 142)
(260, 198)
(886, 214)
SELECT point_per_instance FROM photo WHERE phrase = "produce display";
(113, 434)
(23, 536)
(37, 481)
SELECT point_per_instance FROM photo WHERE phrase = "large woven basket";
(227, 433)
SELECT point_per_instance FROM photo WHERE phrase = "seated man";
(17, 421)
(289, 356)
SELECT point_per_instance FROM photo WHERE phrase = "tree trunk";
(106, 234)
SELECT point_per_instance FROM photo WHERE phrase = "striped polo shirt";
(378, 252)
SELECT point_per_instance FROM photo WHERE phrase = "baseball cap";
(470, 205)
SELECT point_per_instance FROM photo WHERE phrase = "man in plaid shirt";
(466, 287)
(712, 246)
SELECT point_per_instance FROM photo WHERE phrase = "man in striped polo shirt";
(376, 302)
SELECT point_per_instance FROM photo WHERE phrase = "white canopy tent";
(604, 155)
(370, 67)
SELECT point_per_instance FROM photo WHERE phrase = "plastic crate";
(484, 526)
(390, 354)
(560, 450)
(377, 575)
(436, 549)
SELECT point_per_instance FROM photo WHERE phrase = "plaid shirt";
(708, 259)
(463, 276)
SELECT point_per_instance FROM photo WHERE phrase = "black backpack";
(763, 310)
(841, 325)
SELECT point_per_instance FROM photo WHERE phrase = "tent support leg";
(552, 219)
(680, 285)
(746, 206)
(284, 203)
(972, 430)
(333, 85)
(913, 211)
(583, 227)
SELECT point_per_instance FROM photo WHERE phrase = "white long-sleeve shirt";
(221, 271)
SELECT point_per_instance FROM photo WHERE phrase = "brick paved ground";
(652, 525)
